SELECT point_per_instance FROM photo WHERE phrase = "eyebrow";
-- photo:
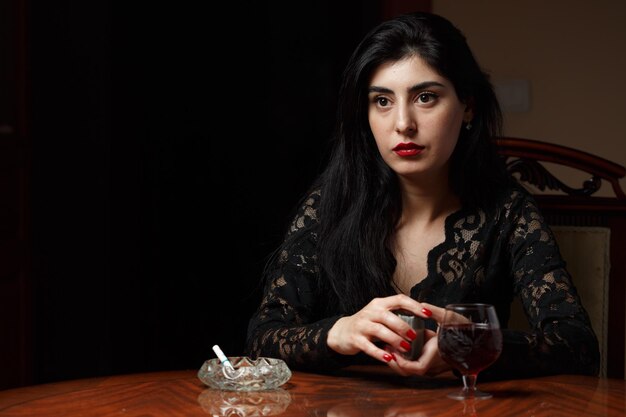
(412, 89)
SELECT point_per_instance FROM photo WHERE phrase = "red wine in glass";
(470, 340)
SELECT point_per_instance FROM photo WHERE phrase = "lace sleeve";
(288, 323)
(561, 340)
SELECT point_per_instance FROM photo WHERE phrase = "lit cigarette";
(223, 359)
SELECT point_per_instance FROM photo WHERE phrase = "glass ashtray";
(248, 374)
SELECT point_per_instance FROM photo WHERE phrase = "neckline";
(432, 277)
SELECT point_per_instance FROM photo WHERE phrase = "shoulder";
(307, 212)
(520, 217)
(514, 200)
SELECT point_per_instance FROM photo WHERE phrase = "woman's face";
(415, 117)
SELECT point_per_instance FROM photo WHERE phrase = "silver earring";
(468, 126)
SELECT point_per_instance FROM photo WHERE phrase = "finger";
(429, 354)
(382, 332)
(395, 363)
(436, 313)
(408, 367)
(396, 303)
(402, 328)
(375, 352)
(404, 302)
(395, 331)
(430, 362)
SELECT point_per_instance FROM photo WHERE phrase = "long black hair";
(360, 202)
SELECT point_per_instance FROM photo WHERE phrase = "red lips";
(405, 149)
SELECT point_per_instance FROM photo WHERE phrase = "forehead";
(409, 70)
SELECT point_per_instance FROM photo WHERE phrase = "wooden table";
(354, 392)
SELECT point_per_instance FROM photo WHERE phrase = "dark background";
(151, 155)
(169, 143)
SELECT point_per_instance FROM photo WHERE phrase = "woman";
(414, 211)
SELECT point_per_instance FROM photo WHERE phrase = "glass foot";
(469, 394)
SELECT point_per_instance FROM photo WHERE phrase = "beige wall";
(572, 52)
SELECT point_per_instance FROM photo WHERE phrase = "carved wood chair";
(590, 231)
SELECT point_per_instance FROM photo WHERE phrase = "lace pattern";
(485, 257)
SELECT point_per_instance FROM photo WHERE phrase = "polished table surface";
(365, 391)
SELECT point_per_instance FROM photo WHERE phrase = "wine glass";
(470, 340)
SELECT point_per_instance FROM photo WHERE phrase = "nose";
(406, 122)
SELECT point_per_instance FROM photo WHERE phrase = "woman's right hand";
(429, 362)
(376, 322)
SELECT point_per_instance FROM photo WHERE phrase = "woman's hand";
(429, 362)
(376, 322)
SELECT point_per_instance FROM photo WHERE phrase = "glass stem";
(469, 382)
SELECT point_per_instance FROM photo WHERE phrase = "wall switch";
(513, 95)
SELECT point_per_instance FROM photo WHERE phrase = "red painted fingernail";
(427, 312)
(394, 357)
(405, 345)
(387, 357)
(411, 334)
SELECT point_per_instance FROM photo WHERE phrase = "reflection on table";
(233, 403)
(364, 391)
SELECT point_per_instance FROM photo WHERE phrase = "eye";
(427, 97)
(381, 101)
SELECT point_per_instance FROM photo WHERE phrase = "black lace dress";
(484, 258)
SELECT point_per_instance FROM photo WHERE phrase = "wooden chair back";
(590, 231)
